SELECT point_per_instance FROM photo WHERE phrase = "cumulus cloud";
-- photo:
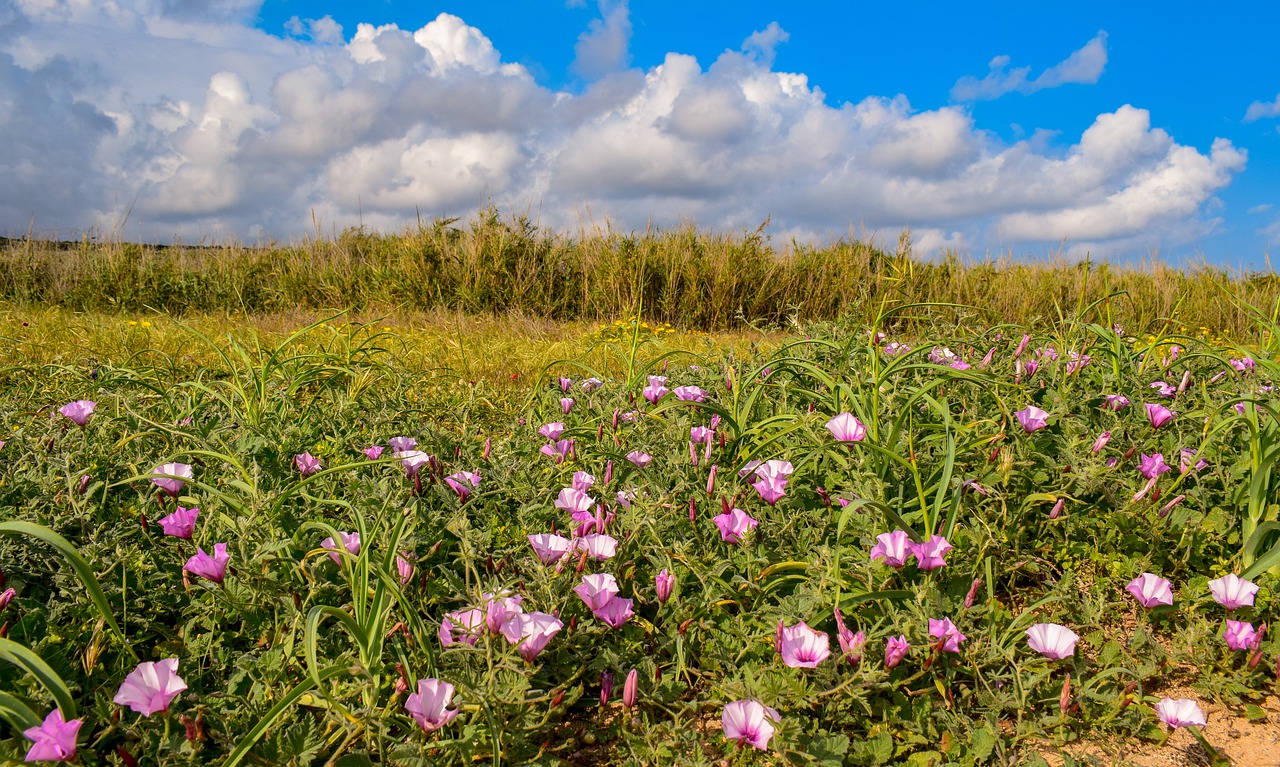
(605, 46)
(1259, 110)
(1084, 66)
(201, 126)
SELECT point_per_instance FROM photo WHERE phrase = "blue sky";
(1103, 128)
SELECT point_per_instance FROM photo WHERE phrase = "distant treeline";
(684, 276)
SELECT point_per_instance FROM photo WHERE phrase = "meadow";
(853, 509)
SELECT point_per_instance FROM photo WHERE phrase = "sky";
(1102, 129)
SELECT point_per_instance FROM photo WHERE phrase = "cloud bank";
(199, 126)
(1081, 67)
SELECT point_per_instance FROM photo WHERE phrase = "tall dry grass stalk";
(687, 277)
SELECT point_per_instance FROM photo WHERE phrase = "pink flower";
(946, 634)
(598, 546)
(615, 612)
(1243, 364)
(412, 461)
(171, 477)
(596, 590)
(1186, 463)
(850, 643)
(549, 548)
(373, 453)
(463, 483)
(625, 497)
(929, 555)
(591, 384)
(1048, 353)
(893, 348)
(566, 404)
(428, 705)
(1052, 641)
(213, 568)
(941, 355)
(531, 631)
(606, 687)
(1022, 347)
(78, 411)
(1182, 712)
(151, 687)
(499, 608)
(894, 548)
(896, 650)
(1231, 591)
(664, 582)
(771, 480)
(1240, 635)
(573, 500)
(630, 688)
(552, 431)
(404, 568)
(1151, 590)
(746, 721)
(350, 542)
(54, 740)
(582, 481)
(558, 450)
(700, 434)
(1116, 402)
(402, 444)
(656, 389)
(1076, 362)
(802, 647)
(181, 523)
(7, 596)
(846, 428)
(734, 525)
(1032, 419)
(1164, 389)
(689, 393)
(1158, 415)
(1152, 466)
(306, 464)
(639, 459)
(462, 626)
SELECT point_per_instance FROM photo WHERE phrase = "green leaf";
(34, 665)
(983, 741)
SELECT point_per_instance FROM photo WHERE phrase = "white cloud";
(321, 30)
(605, 46)
(1084, 66)
(245, 133)
(1262, 109)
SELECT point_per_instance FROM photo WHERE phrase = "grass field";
(616, 541)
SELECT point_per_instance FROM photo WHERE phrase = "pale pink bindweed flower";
(172, 477)
(689, 394)
(181, 523)
(771, 480)
(615, 612)
(412, 461)
(640, 459)
(1032, 419)
(350, 542)
(429, 705)
(599, 546)
(462, 626)
(802, 647)
(894, 548)
(929, 554)
(552, 431)
(746, 721)
(1152, 466)
(596, 590)
(1181, 712)
(373, 453)
(1241, 635)
(1101, 442)
(566, 404)
(630, 688)
(574, 500)
(566, 384)
(78, 412)
(151, 687)
(1116, 402)
(1231, 591)
(846, 428)
(401, 444)
(656, 390)
(306, 464)
(549, 548)
(583, 482)
(1151, 590)
(1158, 415)
(946, 635)
(499, 607)
(734, 525)
(896, 650)
(54, 740)
(531, 632)
(1053, 641)
(559, 450)
(464, 483)
(212, 568)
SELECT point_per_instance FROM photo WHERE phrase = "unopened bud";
(1064, 700)
(629, 688)
(1056, 511)
(973, 592)
(711, 479)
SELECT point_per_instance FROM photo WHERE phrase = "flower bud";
(629, 688)
(606, 687)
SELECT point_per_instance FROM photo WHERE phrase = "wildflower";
(213, 568)
(1022, 347)
(79, 411)
(171, 477)
(700, 434)
(629, 688)
(615, 612)
(181, 523)
(640, 459)
(404, 568)
(1158, 415)
(306, 464)
(711, 478)
(558, 450)
(566, 384)
(946, 634)
(656, 389)
(973, 486)
(6, 597)
(531, 631)
(1182, 712)
(151, 687)
(893, 348)
(1031, 367)
(746, 721)
(1164, 389)
(549, 548)
(1168, 507)
(1244, 364)
(500, 607)
(552, 431)
(986, 360)
(1186, 465)
(350, 542)
(850, 643)
(606, 687)
(54, 740)
(573, 500)
(664, 582)
(1058, 506)
(1032, 419)
(591, 384)
(1240, 635)
(941, 355)
(1240, 408)
(1232, 591)
(463, 483)
(894, 548)
(373, 453)
(1048, 352)
(1076, 362)
(1101, 441)
(582, 481)
(402, 444)
(1053, 641)
(896, 650)
(802, 647)
(596, 590)
(599, 547)
(734, 525)
(1151, 590)
(846, 428)
(412, 461)
(1152, 466)
(929, 555)
(1116, 402)
(461, 626)
(625, 497)
(689, 394)
(771, 480)
(428, 705)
